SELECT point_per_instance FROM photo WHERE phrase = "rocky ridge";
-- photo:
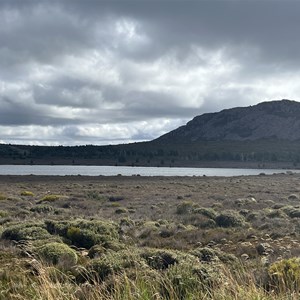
(278, 119)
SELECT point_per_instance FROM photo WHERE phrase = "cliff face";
(266, 120)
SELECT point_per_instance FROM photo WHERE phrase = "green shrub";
(82, 237)
(185, 207)
(207, 254)
(285, 274)
(291, 211)
(275, 213)
(42, 208)
(159, 259)
(50, 198)
(230, 219)
(116, 262)
(3, 213)
(190, 279)
(95, 195)
(2, 197)
(121, 210)
(84, 233)
(25, 232)
(207, 212)
(58, 253)
(27, 193)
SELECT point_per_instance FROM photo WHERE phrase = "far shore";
(179, 164)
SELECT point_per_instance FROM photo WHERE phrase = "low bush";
(121, 210)
(291, 211)
(95, 195)
(84, 233)
(58, 253)
(207, 212)
(3, 213)
(207, 254)
(50, 198)
(42, 208)
(26, 232)
(115, 198)
(159, 259)
(112, 263)
(27, 194)
(185, 207)
(230, 219)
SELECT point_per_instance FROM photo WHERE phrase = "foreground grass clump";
(285, 275)
(58, 253)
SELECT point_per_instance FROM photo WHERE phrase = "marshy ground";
(150, 237)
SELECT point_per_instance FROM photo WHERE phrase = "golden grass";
(49, 285)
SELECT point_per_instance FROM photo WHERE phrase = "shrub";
(121, 210)
(115, 198)
(58, 253)
(27, 193)
(275, 213)
(291, 211)
(42, 208)
(26, 232)
(2, 197)
(185, 207)
(82, 237)
(230, 219)
(189, 278)
(50, 198)
(159, 259)
(84, 233)
(207, 212)
(3, 213)
(116, 262)
(285, 274)
(94, 195)
(207, 254)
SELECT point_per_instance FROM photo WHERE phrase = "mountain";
(259, 136)
(279, 120)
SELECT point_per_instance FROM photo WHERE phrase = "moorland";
(77, 237)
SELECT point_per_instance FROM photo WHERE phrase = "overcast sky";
(105, 72)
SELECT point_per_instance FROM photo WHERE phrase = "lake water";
(130, 171)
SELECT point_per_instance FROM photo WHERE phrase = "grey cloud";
(117, 61)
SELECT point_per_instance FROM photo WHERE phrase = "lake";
(129, 171)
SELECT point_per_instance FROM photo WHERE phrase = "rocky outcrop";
(266, 120)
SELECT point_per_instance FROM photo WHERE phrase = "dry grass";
(120, 217)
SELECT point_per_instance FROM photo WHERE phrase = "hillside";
(268, 120)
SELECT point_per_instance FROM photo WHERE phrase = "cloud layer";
(98, 72)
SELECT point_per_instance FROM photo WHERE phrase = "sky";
(77, 72)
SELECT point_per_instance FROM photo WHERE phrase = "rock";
(246, 244)
(244, 256)
(263, 248)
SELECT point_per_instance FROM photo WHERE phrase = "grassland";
(78, 237)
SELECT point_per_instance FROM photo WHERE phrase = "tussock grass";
(175, 284)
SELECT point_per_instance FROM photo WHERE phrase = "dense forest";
(258, 153)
